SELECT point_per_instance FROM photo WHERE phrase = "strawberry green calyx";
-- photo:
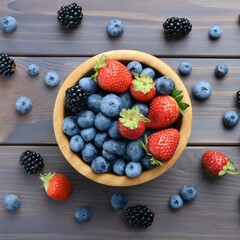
(143, 83)
(229, 168)
(177, 95)
(99, 64)
(130, 118)
(46, 177)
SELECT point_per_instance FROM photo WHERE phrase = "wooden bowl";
(184, 124)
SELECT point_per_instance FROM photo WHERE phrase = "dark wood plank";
(214, 215)
(39, 33)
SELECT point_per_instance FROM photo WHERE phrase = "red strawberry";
(165, 110)
(112, 75)
(218, 164)
(56, 185)
(161, 145)
(142, 88)
(132, 123)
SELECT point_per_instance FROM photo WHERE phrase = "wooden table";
(40, 39)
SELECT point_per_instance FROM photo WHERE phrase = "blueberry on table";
(115, 28)
(52, 79)
(33, 69)
(215, 32)
(119, 201)
(202, 90)
(8, 24)
(11, 202)
(23, 104)
(83, 214)
(175, 201)
(164, 85)
(221, 70)
(188, 192)
(133, 169)
(185, 68)
(231, 118)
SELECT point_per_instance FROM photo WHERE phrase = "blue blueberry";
(175, 201)
(231, 118)
(149, 71)
(108, 156)
(100, 138)
(70, 126)
(119, 201)
(86, 119)
(33, 69)
(221, 70)
(134, 152)
(185, 68)
(88, 134)
(93, 102)
(89, 152)
(8, 24)
(100, 165)
(76, 143)
(143, 108)
(23, 104)
(102, 122)
(133, 169)
(127, 100)
(164, 86)
(113, 131)
(202, 90)
(188, 192)
(11, 202)
(89, 85)
(83, 214)
(115, 146)
(145, 161)
(52, 79)
(119, 167)
(215, 32)
(115, 28)
(135, 67)
(111, 105)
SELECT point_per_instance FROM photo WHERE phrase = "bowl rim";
(74, 159)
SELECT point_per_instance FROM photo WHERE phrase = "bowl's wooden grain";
(185, 123)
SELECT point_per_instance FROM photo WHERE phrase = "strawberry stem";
(230, 168)
(99, 64)
(142, 83)
(46, 177)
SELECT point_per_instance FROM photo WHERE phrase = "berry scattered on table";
(23, 104)
(11, 202)
(83, 214)
(238, 97)
(185, 68)
(231, 118)
(115, 28)
(164, 85)
(119, 201)
(215, 32)
(7, 65)
(8, 24)
(33, 69)
(221, 70)
(76, 143)
(31, 161)
(139, 216)
(134, 67)
(202, 90)
(175, 201)
(133, 169)
(52, 79)
(70, 16)
(188, 192)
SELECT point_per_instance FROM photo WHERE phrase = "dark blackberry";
(7, 65)
(139, 216)
(76, 99)
(31, 161)
(177, 27)
(238, 97)
(70, 16)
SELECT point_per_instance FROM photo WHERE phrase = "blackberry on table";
(139, 216)
(70, 15)
(31, 161)
(238, 97)
(7, 65)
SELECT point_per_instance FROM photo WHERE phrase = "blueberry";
(11, 202)
(70, 126)
(143, 108)
(119, 167)
(8, 24)
(86, 119)
(185, 68)
(221, 70)
(108, 156)
(89, 152)
(134, 67)
(164, 86)
(93, 102)
(88, 134)
(83, 214)
(114, 146)
(23, 104)
(127, 100)
(145, 161)
(76, 143)
(100, 165)
(89, 85)
(202, 90)
(149, 71)
(113, 131)
(133, 169)
(215, 32)
(119, 201)
(115, 28)
(231, 118)
(175, 201)
(111, 105)
(52, 79)
(100, 138)
(134, 152)
(33, 69)
(102, 122)
(188, 192)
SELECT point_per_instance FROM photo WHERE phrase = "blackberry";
(139, 216)
(7, 65)
(177, 27)
(238, 97)
(31, 161)
(70, 16)
(76, 99)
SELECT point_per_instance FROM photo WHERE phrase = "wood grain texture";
(214, 215)
(39, 33)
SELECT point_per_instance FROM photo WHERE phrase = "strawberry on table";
(218, 164)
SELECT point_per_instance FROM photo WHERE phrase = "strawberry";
(56, 185)
(142, 88)
(165, 110)
(132, 123)
(161, 145)
(218, 164)
(112, 75)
